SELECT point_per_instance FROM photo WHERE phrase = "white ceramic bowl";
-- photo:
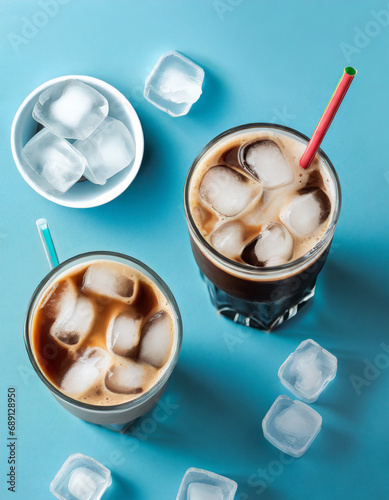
(83, 194)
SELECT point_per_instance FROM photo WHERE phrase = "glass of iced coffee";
(260, 226)
(104, 332)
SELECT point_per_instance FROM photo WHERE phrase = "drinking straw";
(47, 242)
(327, 117)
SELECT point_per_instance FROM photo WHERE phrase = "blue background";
(276, 61)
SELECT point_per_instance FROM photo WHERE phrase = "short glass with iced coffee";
(260, 226)
(103, 332)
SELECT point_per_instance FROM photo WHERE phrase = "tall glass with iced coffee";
(104, 332)
(260, 226)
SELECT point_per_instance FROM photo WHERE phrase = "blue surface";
(264, 61)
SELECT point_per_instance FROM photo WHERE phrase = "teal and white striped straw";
(47, 242)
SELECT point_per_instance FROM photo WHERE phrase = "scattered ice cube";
(85, 371)
(108, 281)
(129, 377)
(306, 212)
(308, 370)
(201, 491)
(74, 320)
(157, 339)
(265, 161)
(123, 333)
(71, 109)
(108, 150)
(56, 163)
(199, 484)
(273, 247)
(291, 426)
(174, 84)
(227, 191)
(81, 478)
(228, 239)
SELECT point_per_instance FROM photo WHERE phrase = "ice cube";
(308, 370)
(227, 191)
(157, 339)
(306, 212)
(57, 165)
(81, 478)
(291, 426)
(201, 491)
(107, 280)
(71, 109)
(264, 160)
(273, 247)
(228, 239)
(74, 321)
(174, 84)
(83, 483)
(123, 333)
(86, 371)
(129, 377)
(108, 150)
(199, 484)
(62, 297)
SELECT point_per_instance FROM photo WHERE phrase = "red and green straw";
(327, 117)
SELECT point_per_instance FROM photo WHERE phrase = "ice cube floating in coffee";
(255, 205)
(103, 333)
(103, 145)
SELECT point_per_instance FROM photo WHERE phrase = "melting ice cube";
(74, 321)
(227, 191)
(228, 239)
(123, 333)
(157, 339)
(265, 161)
(306, 212)
(129, 377)
(273, 247)
(106, 280)
(85, 371)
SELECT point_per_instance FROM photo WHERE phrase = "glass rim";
(165, 375)
(271, 271)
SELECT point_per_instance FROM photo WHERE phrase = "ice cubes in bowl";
(82, 194)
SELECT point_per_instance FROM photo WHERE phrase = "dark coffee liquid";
(57, 353)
